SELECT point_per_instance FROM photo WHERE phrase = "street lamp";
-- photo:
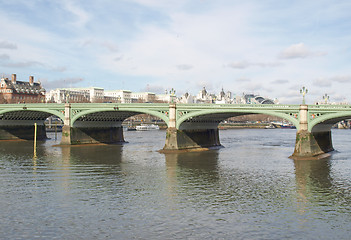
(67, 97)
(303, 91)
(172, 92)
(325, 98)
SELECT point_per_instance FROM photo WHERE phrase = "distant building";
(76, 95)
(63, 95)
(143, 97)
(204, 97)
(224, 98)
(99, 95)
(167, 97)
(120, 96)
(96, 94)
(187, 98)
(13, 91)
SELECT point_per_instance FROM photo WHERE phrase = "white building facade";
(121, 96)
(143, 97)
(63, 95)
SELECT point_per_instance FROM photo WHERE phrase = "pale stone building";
(187, 98)
(143, 97)
(66, 95)
(121, 96)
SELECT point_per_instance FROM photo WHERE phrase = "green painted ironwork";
(317, 114)
(51, 109)
(80, 109)
(327, 114)
(187, 112)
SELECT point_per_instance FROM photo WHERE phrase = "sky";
(270, 48)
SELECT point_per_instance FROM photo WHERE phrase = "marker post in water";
(35, 140)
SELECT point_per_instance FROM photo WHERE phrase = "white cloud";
(245, 64)
(7, 45)
(22, 64)
(94, 43)
(110, 46)
(280, 81)
(322, 83)
(243, 79)
(32, 44)
(299, 51)
(119, 58)
(341, 79)
(81, 17)
(59, 69)
(329, 81)
(4, 57)
(61, 83)
(184, 67)
(239, 65)
(254, 87)
(159, 89)
(200, 40)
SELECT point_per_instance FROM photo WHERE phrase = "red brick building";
(13, 91)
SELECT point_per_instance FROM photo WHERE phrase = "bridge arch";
(222, 114)
(124, 113)
(39, 112)
(17, 121)
(326, 121)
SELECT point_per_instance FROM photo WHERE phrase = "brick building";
(13, 91)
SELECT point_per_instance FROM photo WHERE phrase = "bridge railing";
(179, 105)
(245, 106)
(329, 107)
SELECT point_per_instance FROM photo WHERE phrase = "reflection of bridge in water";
(189, 125)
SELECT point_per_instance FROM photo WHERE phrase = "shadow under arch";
(19, 124)
(320, 129)
(216, 115)
(100, 126)
(199, 129)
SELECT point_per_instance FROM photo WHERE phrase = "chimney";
(31, 80)
(13, 79)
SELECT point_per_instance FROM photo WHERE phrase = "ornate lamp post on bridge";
(172, 112)
(67, 96)
(172, 92)
(303, 91)
(325, 98)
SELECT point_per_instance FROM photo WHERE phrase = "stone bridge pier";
(315, 143)
(201, 135)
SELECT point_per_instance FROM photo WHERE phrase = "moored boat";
(147, 127)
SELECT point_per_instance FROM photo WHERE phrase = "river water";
(249, 189)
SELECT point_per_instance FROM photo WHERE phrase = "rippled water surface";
(248, 190)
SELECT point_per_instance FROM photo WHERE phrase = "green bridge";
(190, 126)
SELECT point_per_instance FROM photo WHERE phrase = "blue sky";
(266, 47)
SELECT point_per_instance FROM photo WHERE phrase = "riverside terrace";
(190, 126)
